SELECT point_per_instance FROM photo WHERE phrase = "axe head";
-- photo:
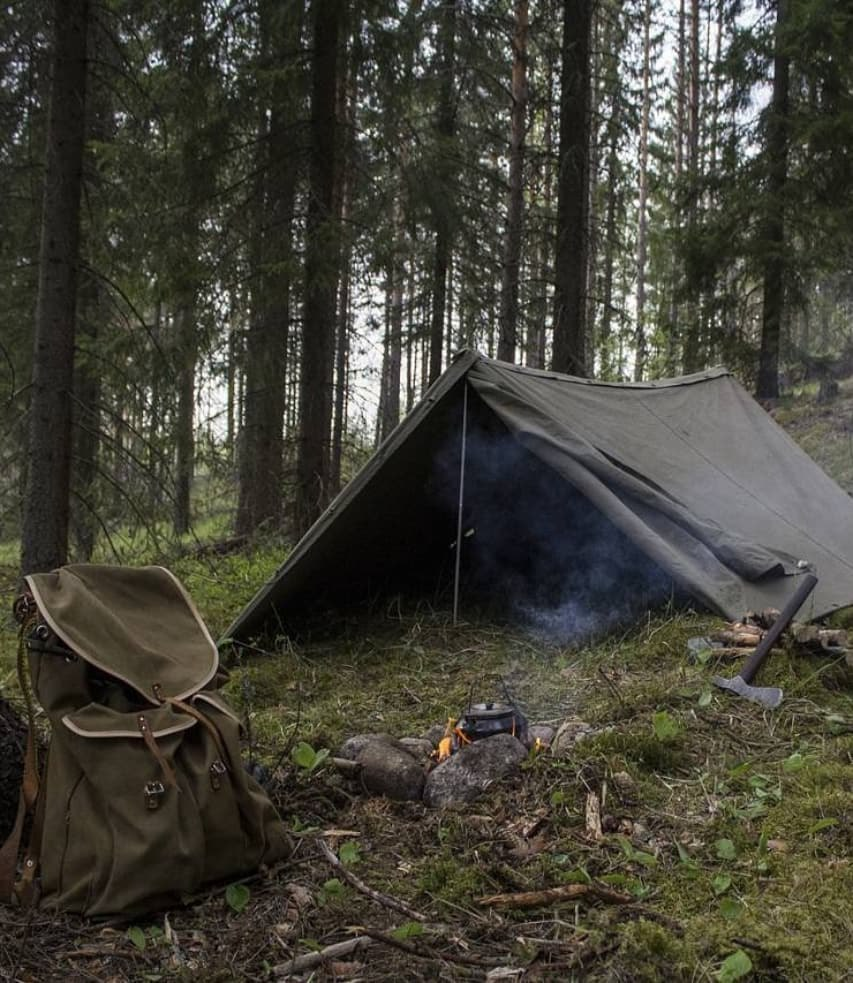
(769, 696)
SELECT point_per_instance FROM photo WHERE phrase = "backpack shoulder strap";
(29, 792)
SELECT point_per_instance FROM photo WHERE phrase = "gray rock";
(353, 746)
(435, 734)
(469, 772)
(542, 731)
(419, 747)
(387, 769)
(568, 734)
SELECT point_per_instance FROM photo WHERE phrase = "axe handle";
(753, 663)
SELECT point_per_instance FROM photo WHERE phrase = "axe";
(770, 696)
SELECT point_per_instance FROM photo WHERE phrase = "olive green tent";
(690, 474)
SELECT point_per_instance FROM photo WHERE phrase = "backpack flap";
(137, 625)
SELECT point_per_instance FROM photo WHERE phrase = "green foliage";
(237, 896)
(305, 757)
(734, 967)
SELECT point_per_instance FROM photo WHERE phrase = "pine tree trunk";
(642, 218)
(321, 269)
(692, 343)
(445, 127)
(515, 206)
(570, 274)
(774, 224)
(261, 460)
(186, 356)
(44, 540)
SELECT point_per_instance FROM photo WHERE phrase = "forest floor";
(731, 859)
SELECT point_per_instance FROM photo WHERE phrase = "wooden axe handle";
(762, 650)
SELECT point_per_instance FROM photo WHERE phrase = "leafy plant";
(237, 897)
(349, 853)
(408, 930)
(304, 756)
(734, 967)
(726, 850)
(665, 726)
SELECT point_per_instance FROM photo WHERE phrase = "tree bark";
(642, 218)
(445, 127)
(321, 269)
(44, 541)
(774, 224)
(570, 274)
(515, 206)
(261, 459)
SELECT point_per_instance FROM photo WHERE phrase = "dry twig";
(395, 904)
(551, 895)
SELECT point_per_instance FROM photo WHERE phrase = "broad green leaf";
(303, 755)
(721, 883)
(793, 762)
(665, 726)
(137, 936)
(734, 967)
(730, 909)
(408, 930)
(822, 824)
(349, 853)
(333, 887)
(319, 757)
(726, 850)
(237, 896)
(705, 698)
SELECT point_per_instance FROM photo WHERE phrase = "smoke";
(537, 553)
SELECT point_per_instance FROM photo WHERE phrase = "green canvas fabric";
(124, 827)
(692, 470)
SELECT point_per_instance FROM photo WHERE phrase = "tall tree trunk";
(445, 128)
(186, 357)
(773, 237)
(570, 274)
(261, 459)
(322, 250)
(640, 340)
(44, 540)
(692, 342)
(535, 347)
(610, 243)
(515, 205)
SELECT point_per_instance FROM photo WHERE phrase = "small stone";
(777, 846)
(640, 833)
(469, 772)
(625, 827)
(435, 734)
(543, 732)
(623, 781)
(568, 734)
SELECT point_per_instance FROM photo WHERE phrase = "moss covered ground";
(728, 828)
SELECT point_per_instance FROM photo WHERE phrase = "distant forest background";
(239, 238)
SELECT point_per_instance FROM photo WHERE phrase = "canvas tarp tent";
(691, 472)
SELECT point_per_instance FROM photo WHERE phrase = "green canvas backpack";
(143, 798)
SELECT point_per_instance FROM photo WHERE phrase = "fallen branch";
(593, 817)
(565, 892)
(313, 959)
(425, 952)
(384, 899)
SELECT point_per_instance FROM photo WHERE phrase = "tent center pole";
(461, 502)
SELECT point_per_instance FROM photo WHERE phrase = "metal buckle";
(217, 770)
(154, 791)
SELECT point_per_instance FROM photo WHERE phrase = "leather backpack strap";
(29, 792)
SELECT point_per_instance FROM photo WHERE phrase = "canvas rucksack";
(143, 797)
